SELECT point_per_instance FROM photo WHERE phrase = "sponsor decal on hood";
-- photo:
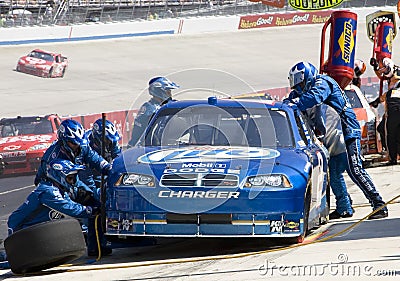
(27, 138)
(206, 154)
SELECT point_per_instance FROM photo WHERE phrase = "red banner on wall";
(288, 19)
(123, 121)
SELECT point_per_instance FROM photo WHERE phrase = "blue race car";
(221, 168)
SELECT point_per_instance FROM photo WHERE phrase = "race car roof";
(227, 103)
(24, 119)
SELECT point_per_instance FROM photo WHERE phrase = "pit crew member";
(326, 123)
(92, 178)
(391, 121)
(309, 89)
(72, 145)
(160, 92)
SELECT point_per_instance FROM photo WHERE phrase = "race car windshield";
(25, 126)
(43, 56)
(216, 126)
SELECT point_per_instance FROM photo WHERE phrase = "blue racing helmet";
(64, 172)
(160, 87)
(111, 133)
(302, 77)
(71, 131)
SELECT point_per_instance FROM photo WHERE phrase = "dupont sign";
(288, 19)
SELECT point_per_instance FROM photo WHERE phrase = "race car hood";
(26, 143)
(240, 161)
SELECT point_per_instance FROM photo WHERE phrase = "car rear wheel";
(18, 68)
(44, 245)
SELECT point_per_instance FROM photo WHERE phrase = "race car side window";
(56, 123)
(7, 131)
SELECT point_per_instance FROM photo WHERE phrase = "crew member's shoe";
(379, 215)
(336, 215)
(391, 163)
(106, 251)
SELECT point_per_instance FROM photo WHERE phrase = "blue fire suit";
(326, 90)
(47, 202)
(86, 157)
(92, 178)
(143, 118)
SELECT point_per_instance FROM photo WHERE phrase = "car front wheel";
(50, 73)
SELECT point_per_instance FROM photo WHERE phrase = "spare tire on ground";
(45, 245)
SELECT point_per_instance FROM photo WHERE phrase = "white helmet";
(359, 68)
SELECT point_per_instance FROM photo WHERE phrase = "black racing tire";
(63, 72)
(45, 245)
(50, 73)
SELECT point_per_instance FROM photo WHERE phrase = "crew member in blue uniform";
(309, 89)
(160, 92)
(72, 145)
(112, 149)
(92, 178)
(53, 198)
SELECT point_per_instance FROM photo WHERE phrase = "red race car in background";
(42, 63)
(23, 141)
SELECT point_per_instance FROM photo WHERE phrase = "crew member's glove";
(106, 167)
(92, 211)
(290, 101)
(373, 62)
(375, 102)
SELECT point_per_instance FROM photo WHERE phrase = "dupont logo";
(314, 5)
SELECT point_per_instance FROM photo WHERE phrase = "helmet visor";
(71, 178)
(295, 79)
